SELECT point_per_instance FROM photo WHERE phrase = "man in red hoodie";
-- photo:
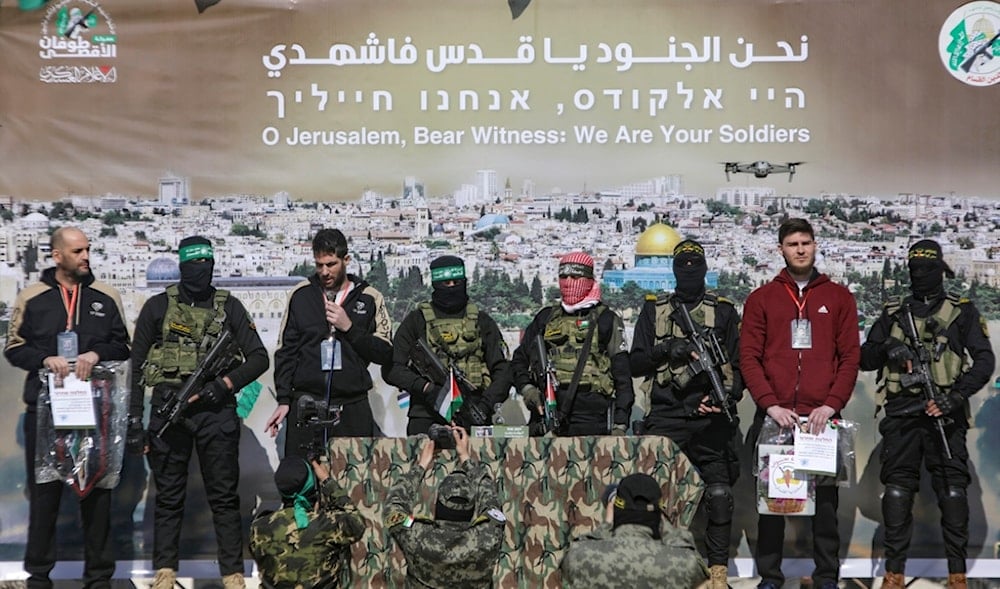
(799, 354)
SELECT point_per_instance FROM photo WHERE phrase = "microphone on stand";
(331, 295)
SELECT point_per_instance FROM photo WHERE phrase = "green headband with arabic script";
(196, 251)
(447, 273)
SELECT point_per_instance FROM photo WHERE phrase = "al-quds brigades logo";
(970, 43)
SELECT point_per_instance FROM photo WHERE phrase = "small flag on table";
(449, 398)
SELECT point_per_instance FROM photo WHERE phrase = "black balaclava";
(689, 270)
(450, 299)
(196, 276)
(927, 270)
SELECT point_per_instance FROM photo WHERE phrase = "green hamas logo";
(969, 43)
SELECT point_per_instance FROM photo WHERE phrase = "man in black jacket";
(600, 401)
(950, 331)
(460, 334)
(681, 407)
(173, 334)
(335, 326)
(68, 322)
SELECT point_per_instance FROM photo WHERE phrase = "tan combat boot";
(164, 579)
(893, 581)
(234, 581)
(718, 577)
(957, 581)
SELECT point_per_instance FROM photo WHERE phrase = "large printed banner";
(459, 99)
(324, 99)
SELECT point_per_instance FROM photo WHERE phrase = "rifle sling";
(581, 362)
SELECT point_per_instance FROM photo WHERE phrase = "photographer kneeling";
(460, 546)
(307, 542)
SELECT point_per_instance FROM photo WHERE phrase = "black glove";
(135, 436)
(680, 351)
(896, 352)
(730, 403)
(949, 403)
(216, 392)
(660, 352)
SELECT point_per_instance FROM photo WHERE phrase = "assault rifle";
(545, 371)
(983, 50)
(218, 359)
(921, 371)
(711, 355)
(430, 367)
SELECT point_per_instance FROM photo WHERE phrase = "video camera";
(316, 413)
(441, 436)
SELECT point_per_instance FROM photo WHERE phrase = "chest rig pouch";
(564, 338)
(187, 334)
(946, 365)
(458, 339)
(678, 376)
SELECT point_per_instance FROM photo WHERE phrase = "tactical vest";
(564, 336)
(458, 339)
(946, 365)
(188, 332)
(702, 314)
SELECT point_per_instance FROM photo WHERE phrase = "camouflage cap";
(455, 498)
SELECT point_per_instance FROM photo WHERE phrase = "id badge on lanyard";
(330, 349)
(329, 354)
(67, 342)
(801, 334)
(801, 327)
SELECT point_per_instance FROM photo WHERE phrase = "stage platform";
(204, 575)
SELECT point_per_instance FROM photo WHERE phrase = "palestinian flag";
(550, 394)
(449, 398)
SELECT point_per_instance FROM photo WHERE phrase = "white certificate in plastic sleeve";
(72, 402)
(816, 454)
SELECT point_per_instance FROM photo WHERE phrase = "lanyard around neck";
(69, 304)
(800, 304)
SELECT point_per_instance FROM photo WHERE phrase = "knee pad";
(719, 503)
(954, 506)
(952, 493)
(897, 503)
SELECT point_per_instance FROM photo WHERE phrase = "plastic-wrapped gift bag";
(783, 487)
(82, 427)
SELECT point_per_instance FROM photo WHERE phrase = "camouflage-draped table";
(550, 490)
